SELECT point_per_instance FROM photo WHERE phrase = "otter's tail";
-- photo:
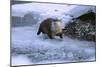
(39, 31)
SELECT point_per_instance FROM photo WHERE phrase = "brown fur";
(45, 28)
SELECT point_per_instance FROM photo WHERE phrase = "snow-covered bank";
(50, 9)
(64, 12)
(40, 50)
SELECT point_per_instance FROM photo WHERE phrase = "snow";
(42, 50)
(21, 60)
(64, 12)
(79, 10)
(50, 10)
(37, 7)
(28, 48)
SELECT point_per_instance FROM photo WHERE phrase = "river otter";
(51, 27)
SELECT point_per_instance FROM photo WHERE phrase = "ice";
(41, 50)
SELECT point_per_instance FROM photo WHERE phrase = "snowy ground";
(28, 48)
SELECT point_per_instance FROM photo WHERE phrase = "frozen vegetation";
(28, 48)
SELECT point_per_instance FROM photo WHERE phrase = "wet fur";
(46, 28)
